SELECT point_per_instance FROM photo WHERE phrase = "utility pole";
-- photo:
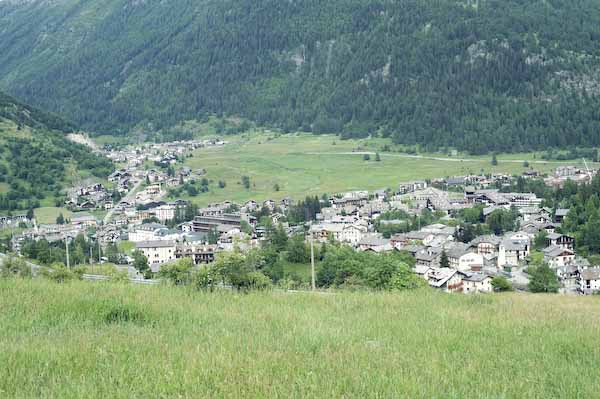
(312, 262)
(67, 245)
(99, 260)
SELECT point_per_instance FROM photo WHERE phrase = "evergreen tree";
(444, 261)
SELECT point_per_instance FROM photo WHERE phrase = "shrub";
(59, 273)
(204, 279)
(501, 284)
(543, 279)
(13, 266)
(258, 281)
(178, 273)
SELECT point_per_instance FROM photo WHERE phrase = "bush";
(204, 278)
(405, 279)
(501, 284)
(60, 274)
(258, 281)
(544, 279)
(178, 273)
(13, 266)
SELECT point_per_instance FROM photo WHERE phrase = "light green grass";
(68, 341)
(48, 215)
(4, 187)
(305, 164)
(126, 246)
(301, 270)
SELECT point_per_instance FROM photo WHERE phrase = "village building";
(557, 256)
(477, 283)
(146, 232)
(589, 281)
(157, 252)
(200, 253)
(486, 244)
(221, 224)
(445, 279)
(560, 240)
(512, 252)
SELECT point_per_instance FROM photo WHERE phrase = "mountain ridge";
(474, 75)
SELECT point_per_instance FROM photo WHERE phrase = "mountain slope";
(475, 74)
(36, 158)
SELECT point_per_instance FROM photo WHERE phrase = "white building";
(165, 212)
(589, 280)
(146, 232)
(157, 252)
(477, 282)
(512, 252)
(470, 261)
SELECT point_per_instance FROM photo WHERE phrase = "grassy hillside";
(104, 340)
(507, 75)
(36, 158)
(304, 164)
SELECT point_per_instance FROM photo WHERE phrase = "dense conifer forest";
(477, 75)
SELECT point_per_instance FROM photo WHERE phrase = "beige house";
(157, 252)
(477, 282)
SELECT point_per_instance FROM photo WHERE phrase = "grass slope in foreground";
(119, 341)
(302, 164)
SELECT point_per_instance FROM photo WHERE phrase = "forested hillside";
(478, 75)
(36, 158)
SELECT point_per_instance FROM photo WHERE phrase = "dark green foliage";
(140, 262)
(487, 75)
(500, 221)
(125, 314)
(304, 210)
(48, 253)
(501, 284)
(297, 250)
(35, 165)
(540, 241)
(543, 279)
(444, 261)
(246, 182)
(178, 273)
(344, 267)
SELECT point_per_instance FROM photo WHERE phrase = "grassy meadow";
(302, 164)
(107, 340)
(48, 214)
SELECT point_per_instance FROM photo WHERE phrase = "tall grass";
(106, 340)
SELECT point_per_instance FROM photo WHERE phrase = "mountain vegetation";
(36, 157)
(476, 75)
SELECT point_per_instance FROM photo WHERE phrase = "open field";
(305, 164)
(49, 214)
(101, 340)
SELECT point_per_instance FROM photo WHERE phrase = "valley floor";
(306, 164)
(106, 340)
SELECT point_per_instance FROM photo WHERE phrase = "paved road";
(130, 195)
(387, 154)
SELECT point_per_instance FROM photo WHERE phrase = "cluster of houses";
(563, 174)
(162, 153)
(351, 218)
